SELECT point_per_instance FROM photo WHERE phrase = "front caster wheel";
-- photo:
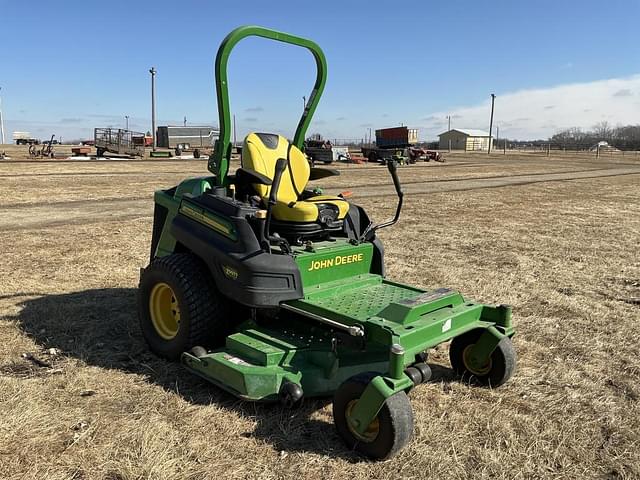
(387, 434)
(497, 370)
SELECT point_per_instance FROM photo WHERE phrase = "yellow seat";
(260, 153)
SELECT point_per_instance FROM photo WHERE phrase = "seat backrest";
(260, 153)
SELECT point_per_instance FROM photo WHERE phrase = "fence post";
(449, 145)
(598, 151)
(548, 149)
(505, 147)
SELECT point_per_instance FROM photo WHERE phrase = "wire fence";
(549, 148)
(538, 147)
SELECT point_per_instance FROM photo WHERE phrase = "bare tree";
(603, 130)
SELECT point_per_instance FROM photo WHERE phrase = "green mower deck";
(257, 359)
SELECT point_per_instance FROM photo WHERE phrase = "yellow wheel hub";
(164, 310)
(475, 370)
(370, 434)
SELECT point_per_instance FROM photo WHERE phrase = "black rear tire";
(394, 421)
(204, 314)
(501, 367)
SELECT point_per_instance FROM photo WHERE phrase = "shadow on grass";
(100, 327)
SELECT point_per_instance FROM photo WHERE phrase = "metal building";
(192, 136)
(467, 139)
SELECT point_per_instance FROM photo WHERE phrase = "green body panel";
(172, 202)
(215, 222)
(166, 243)
(330, 261)
(219, 161)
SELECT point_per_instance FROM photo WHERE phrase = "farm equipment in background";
(273, 292)
(318, 150)
(418, 153)
(45, 152)
(119, 141)
(399, 144)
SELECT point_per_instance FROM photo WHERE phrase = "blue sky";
(69, 66)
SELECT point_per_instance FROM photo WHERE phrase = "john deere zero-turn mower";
(274, 292)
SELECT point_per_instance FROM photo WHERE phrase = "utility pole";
(235, 142)
(126, 117)
(153, 72)
(493, 99)
(449, 119)
(1, 121)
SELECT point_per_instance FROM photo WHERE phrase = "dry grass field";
(557, 238)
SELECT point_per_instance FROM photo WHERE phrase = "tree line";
(625, 137)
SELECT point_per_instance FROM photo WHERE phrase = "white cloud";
(539, 113)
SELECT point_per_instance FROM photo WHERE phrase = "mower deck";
(261, 355)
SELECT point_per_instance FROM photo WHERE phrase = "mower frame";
(314, 316)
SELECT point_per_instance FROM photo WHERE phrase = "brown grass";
(565, 254)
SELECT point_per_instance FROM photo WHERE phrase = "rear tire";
(390, 431)
(179, 306)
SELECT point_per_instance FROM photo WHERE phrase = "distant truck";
(319, 151)
(24, 138)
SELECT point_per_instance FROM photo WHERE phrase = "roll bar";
(219, 161)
